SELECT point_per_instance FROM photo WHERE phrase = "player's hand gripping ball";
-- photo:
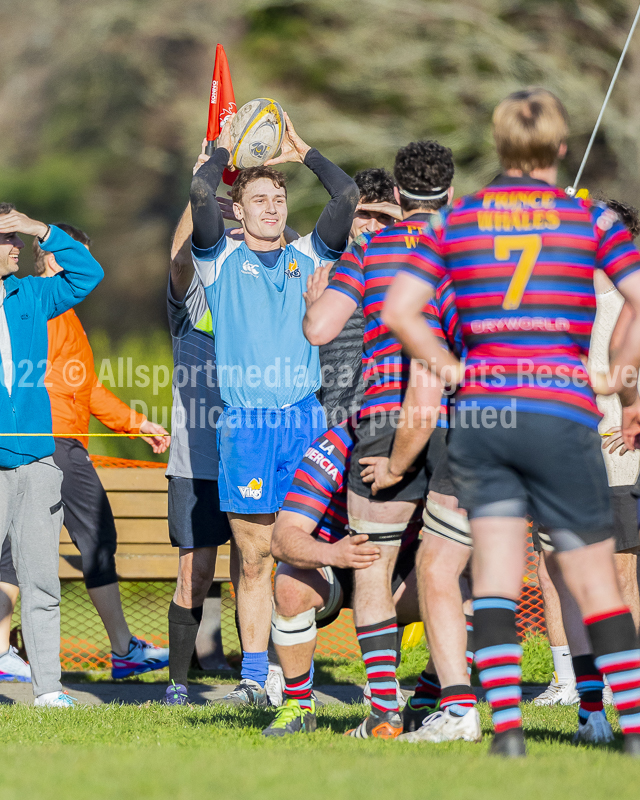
(257, 131)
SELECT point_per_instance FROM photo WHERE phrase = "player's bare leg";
(374, 612)
(440, 564)
(252, 538)
(593, 727)
(562, 689)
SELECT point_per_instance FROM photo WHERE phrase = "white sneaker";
(443, 726)
(596, 730)
(366, 695)
(607, 693)
(274, 685)
(556, 693)
(55, 700)
(13, 668)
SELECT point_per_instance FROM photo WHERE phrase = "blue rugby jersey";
(364, 273)
(319, 489)
(263, 358)
(521, 255)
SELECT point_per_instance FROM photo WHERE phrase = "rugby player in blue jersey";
(268, 373)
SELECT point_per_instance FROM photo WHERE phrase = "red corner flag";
(222, 103)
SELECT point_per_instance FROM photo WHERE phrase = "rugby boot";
(366, 695)
(176, 695)
(246, 693)
(443, 726)
(556, 693)
(387, 725)
(509, 744)
(292, 718)
(413, 718)
(13, 668)
(596, 730)
(142, 657)
(274, 685)
(632, 745)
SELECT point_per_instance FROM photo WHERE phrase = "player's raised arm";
(181, 270)
(208, 222)
(332, 229)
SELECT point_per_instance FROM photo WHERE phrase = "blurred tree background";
(103, 108)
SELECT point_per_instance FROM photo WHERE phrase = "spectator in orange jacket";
(76, 394)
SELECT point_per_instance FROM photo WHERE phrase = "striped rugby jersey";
(364, 273)
(442, 315)
(319, 489)
(521, 256)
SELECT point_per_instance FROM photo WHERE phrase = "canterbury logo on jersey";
(250, 269)
(252, 490)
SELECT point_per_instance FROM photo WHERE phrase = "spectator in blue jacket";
(30, 504)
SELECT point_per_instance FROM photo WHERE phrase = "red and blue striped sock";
(458, 699)
(590, 686)
(378, 645)
(617, 655)
(498, 657)
(427, 691)
(469, 623)
(299, 689)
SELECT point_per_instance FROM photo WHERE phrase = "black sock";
(468, 618)
(183, 630)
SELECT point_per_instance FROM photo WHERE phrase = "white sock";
(562, 663)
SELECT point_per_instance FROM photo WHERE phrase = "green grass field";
(154, 752)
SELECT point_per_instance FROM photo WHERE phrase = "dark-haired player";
(267, 372)
(341, 359)
(423, 172)
(521, 255)
(315, 576)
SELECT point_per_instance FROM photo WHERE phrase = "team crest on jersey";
(250, 269)
(253, 490)
(292, 270)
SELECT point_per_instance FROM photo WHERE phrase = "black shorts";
(7, 570)
(372, 441)
(438, 464)
(546, 467)
(87, 513)
(195, 519)
(404, 565)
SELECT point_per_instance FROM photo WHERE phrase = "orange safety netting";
(85, 646)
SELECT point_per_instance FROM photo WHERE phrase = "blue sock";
(312, 671)
(255, 667)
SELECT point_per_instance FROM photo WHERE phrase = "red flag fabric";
(222, 102)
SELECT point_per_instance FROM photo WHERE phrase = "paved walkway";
(139, 693)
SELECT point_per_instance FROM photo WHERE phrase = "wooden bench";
(138, 499)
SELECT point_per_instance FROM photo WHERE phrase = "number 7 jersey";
(521, 255)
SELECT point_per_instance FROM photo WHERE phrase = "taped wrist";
(287, 631)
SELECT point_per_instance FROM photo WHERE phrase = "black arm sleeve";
(335, 221)
(208, 222)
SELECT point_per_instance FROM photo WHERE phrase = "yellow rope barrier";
(75, 435)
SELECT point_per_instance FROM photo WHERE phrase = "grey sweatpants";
(31, 516)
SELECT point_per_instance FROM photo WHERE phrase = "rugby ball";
(257, 131)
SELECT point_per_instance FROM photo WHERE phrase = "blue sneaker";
(142, 657)
(13, 668)
(176, 695)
